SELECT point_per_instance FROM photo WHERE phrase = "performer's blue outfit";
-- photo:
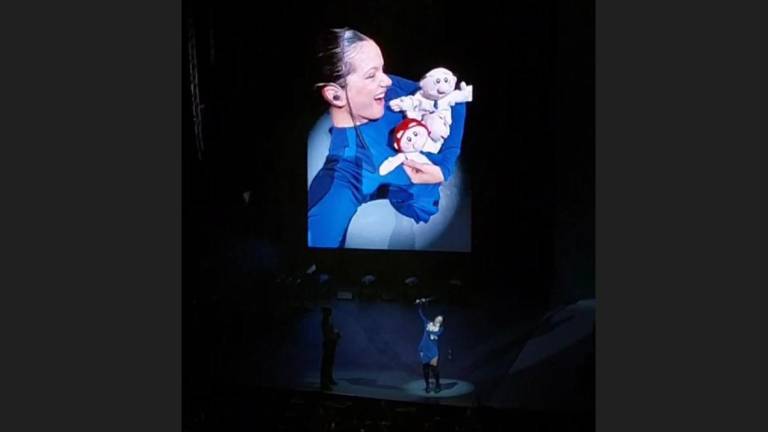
(428, 346)
(350, 175)
(428, 351)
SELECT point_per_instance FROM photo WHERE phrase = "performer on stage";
(331, 337)
(428, 349)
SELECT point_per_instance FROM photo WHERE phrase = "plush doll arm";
(464, 94)
(420, 107)
(433, 146)
(404, 103)
(418, 157)
(391, 163)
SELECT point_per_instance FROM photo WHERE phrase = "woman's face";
(438, 320)
(366, 83)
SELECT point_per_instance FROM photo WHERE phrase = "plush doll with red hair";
(411, 136)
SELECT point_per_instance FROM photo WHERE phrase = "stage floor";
(395, 386)
(488, 358)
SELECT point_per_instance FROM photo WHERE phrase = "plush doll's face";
(413, 139)
(438, 83)
(438, 125)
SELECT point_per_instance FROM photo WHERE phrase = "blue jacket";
(428, 348)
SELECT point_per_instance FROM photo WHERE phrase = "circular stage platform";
(395, 385)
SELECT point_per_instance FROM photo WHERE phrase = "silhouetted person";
(331, 337)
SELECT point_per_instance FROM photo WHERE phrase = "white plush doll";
(411, 136)
(432, 104)
(438, 124)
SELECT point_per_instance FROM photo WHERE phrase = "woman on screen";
(357, 90)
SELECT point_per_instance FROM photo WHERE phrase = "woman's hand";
(422, 173)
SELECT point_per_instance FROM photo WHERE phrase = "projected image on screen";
(384, 166)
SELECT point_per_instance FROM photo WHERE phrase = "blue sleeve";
(421, 314)
(401, 87)
(451, 148)
(332, 202)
